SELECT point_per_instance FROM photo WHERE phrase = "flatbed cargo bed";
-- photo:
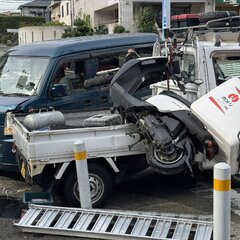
(41, 147)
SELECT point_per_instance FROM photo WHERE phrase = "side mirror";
(59, 90)
(176, 66)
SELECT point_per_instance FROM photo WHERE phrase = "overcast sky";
(11, 5)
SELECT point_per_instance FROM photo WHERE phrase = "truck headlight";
(8, 131)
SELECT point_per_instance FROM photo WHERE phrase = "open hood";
(133, 75)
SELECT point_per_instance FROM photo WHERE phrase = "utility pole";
(166, 18)
(72, 11)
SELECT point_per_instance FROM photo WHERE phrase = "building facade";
(62, 11)
(126, 12)
(37, 8)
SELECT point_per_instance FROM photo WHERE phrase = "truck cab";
(66, 74)
(205, 64)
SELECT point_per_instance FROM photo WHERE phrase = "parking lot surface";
(148, 191)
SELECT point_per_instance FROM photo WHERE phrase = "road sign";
(166, 13)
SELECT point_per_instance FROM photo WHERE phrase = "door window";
(71, 74)
(226, 65)
(84, 82)
(80, 74)
(187, 65)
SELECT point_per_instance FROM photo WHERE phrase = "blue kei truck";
(66, 74)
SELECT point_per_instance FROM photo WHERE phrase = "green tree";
(146, 21)
(119, 29)
(54, 23)
(81, 27)
(101, 29)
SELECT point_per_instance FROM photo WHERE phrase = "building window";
(62, 11)
(67, 9)
(33, 13)
(116, 14)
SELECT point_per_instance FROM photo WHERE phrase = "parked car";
(67, 74)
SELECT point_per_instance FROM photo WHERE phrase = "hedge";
(15, 22)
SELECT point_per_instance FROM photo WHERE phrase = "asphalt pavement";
(150, 192)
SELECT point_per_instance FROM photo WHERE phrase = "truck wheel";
(205, 17)
(175, 165)
(235, 180)
(101, 185)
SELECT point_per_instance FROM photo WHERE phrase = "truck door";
(108, 62)
(67, 90)
(226, 64)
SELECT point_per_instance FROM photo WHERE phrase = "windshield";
(21, 75)
(226, 65)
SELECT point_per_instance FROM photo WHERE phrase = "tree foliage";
(119, 29)
(81, 27)
(15, 22)
(146, 20)
(101, 29)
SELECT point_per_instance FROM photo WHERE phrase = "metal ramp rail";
(109, 224)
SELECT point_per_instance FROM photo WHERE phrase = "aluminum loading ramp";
(108, 224)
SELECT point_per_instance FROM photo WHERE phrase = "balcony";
(112, 2)
(104, 4)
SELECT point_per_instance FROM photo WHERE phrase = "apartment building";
(126, 12)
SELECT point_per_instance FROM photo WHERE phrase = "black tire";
(235, 181)
(205, 17)
(101, 184)
(175, 166)
(223, 24)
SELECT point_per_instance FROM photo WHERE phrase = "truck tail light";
(8, 125)
(14, 148)
(8, 131)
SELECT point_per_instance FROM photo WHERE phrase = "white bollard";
(221, 201)
(82, 174)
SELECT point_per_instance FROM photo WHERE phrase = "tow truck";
(116, 151)
(210, 57)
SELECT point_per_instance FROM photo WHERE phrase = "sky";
(11, 5)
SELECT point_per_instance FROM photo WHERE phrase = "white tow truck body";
(199, 59)
(47, 155)
(43, 147)
(198, 62)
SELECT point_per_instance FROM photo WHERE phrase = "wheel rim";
(96, 188)
(162, 159)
